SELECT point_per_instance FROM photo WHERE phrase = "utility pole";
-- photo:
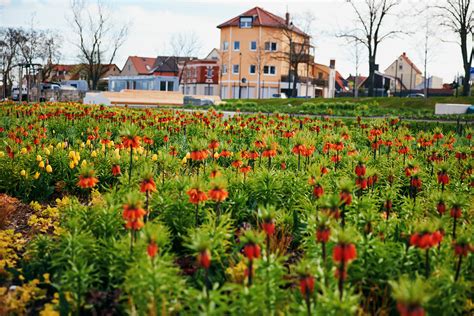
(396, 77)
(240, 75)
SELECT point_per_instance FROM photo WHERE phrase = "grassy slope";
(383, 102)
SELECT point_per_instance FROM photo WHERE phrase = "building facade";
(200, 77)
(145, 73)
(405, 70)
(256, 48)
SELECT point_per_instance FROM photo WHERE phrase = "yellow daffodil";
(154, 157)
(23, 151)
(23, 173)
(37, 175)
(94, 154)
(49, 169)
(39, 158)
(41, 164)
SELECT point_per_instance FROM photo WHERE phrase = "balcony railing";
(304, 80)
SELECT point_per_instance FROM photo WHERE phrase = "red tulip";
(307, 285)
(344, 253)
(152, 249)
(252, 251)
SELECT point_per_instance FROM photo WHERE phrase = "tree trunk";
(371, 78)
(467, 60)
(294, 91)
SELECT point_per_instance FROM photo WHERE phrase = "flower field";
(158, 212)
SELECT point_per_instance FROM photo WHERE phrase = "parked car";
(16, 94)
(189, 100)
(415, 95)
(279, 96)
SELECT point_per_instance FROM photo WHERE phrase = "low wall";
(445, 108)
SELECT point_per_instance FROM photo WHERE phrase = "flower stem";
(130, 167)
(458, 269)
(427, 263)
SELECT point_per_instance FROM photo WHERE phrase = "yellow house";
(405, 70)
(255, 56)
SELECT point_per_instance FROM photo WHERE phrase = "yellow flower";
(2, 154)
(154, 157)
(83, 145)
(23, 173)
(38, 158)
(37, 175)
(49, 169)
(216, 155)
(47, 152)
(72, 154)
(184, 160)
(88, 142)
(94, 154)
(41, 164)
(84, 163)
(71, 164)
(188, 155)
(23, 150)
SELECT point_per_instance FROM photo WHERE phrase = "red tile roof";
(261, 18)
(408, 60)
(141, 63)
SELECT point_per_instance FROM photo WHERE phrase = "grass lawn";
(403, 107)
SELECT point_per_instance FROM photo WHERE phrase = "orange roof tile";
(143, 65)
(261, 18)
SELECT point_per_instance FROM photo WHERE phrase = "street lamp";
(240, 75)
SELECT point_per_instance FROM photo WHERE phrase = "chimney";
(287, 18)
(332, 64)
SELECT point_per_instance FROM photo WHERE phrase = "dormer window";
(246, 22)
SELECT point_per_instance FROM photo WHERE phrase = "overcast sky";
(153, 22)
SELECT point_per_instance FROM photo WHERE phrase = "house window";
(224, 69)
(269, 70)
(208, 90)
(163, 86)
(225, 45)
(246, 22)
(253, 69)
(170, 86)
(320, 75)
(209, 72)
(400, 67)
(253, 45)
(235, 69)
(236, 45)
(271, 46)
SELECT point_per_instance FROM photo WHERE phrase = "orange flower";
(218, 194)
(87, 182)
(148, 185)
(196, 196)
(199, 155)
(131, 141)
(133, 213)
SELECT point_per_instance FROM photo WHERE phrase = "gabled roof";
(143, 65)
(408, 60)
(261, 17)
(168, 63)
(340, 81)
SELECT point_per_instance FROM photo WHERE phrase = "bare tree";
(184, 46)
(298, 52)
(9, 46)
(259, 59)
(51, 54)
(458, 16)
(99, 38)
(370, 32)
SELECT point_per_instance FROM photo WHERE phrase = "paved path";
(228, 114)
